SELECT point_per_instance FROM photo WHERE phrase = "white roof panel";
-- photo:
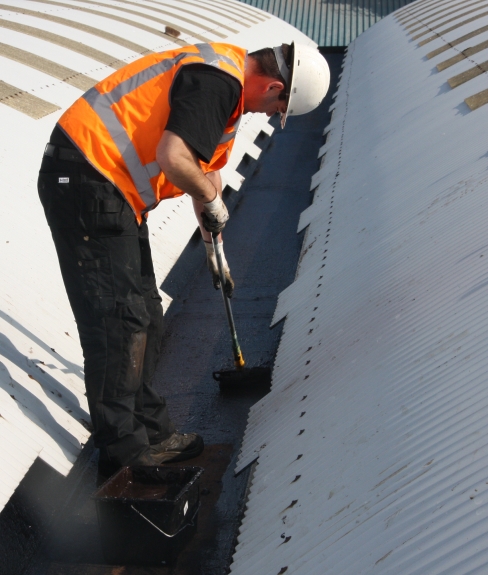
(371, 447)
(19, 452)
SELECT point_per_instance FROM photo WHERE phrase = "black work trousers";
(106, 264)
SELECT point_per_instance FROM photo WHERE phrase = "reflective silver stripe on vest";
(142, 77)
(101, 104)
(231, 135)
(211, 57)
(152, 169)
(208, 54)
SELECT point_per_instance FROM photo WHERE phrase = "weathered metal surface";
(62, 41)
(47, 66)
(23, 102)
(477, 100)
(330, 22)
(371, 447)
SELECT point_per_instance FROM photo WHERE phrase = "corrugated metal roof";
(49, 53)
(330, 22)
(372, 446)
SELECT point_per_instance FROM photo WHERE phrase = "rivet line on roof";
(334, 183)
(456, 42)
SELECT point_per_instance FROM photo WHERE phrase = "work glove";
(214, 270)
(215, 215)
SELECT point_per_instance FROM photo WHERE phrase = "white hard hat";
(310, 79)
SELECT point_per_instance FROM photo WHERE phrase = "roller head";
(243, 378)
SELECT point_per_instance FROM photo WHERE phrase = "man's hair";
(266, 64)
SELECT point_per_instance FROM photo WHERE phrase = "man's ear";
(276, 85)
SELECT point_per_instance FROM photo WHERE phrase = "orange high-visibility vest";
(118, 123)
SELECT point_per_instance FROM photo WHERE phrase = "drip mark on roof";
(292, 504)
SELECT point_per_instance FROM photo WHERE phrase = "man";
(159, 127)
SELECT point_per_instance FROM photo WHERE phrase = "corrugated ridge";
(330, 22)
(372, 442)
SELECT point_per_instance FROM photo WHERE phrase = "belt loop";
(50, 151)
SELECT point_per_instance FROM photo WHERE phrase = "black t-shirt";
(202, 101)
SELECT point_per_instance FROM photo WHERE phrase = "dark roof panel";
(330, 22)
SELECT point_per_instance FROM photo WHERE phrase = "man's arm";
(216, 180)
(180, 165)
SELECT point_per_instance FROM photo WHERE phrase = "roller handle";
(236, 350)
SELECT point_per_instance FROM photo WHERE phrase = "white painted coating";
(96, 42)
(43, 410)
(21, 451)
(51, 52)
(372, 444)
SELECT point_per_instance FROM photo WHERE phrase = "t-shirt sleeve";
(202, 101)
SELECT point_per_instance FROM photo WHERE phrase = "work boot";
(106, 469)
(177, 447)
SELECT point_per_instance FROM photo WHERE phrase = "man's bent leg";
(166, 443)
(151, 407)
(113, 332)
(96, 238)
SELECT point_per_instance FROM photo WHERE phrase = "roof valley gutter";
(44, 418)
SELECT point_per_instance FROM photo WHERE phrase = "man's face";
(273, 103)
(265, 96)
